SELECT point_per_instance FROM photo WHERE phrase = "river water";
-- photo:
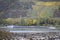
(29, 29)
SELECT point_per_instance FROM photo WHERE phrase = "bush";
(5, 35)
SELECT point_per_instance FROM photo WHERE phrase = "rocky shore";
(36, 36)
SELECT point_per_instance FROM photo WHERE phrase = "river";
(29, 29)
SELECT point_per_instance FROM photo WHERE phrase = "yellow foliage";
(38, 4)
(49, 3)
(46, 3)
(34, 21)
(9, 19)
(35, 7)
(31, 21)
(13, 20)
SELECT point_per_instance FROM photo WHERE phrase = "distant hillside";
(31, 8)
(57, 13)
(46, 9)
(4, 6)
(15, 8)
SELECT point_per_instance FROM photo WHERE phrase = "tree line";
(31, 21)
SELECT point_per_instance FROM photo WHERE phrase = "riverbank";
(30, 36)
(37, 36)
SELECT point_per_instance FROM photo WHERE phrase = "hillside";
(31, 8)
(49, 0)
(57, 13)
(29, 12)
(45, 9)
(4, 6)
(15, 8)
